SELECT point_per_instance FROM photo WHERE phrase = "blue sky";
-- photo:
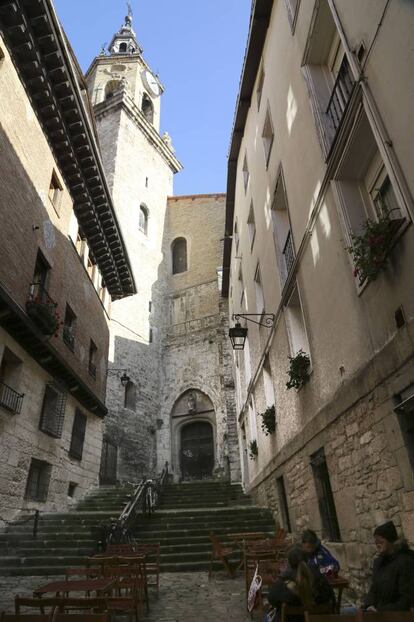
(197, 46)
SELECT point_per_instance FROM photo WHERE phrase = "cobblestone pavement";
(184, 597)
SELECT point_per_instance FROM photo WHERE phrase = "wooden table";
(338, 583)
(100, 586)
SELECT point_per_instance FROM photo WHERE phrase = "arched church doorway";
(197, 450)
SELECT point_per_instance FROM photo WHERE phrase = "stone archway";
(193, 436)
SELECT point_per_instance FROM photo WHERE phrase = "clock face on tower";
(151, 83)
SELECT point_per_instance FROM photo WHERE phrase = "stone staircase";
(186, 516)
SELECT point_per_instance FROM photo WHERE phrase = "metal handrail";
(10, 399)
(35, 517)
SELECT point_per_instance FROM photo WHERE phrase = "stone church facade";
(170, 338)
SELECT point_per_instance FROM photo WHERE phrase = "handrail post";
(35, 524)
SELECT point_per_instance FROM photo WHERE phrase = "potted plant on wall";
(253, 450)
(298, 371)
(371, 248)
(269, 420)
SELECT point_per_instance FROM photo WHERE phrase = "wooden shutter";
(78, 435)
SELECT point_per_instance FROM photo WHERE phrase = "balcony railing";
(92, 370)
(69, 337)
(341, 94)
(289, 253)
(41, 308)
(10, 399)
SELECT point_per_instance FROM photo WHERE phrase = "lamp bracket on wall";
(265, 319)
(124, 378)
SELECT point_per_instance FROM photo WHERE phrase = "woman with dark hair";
(318, 555)
(392, 587)
(300, 586)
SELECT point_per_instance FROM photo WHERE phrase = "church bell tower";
(140, 165)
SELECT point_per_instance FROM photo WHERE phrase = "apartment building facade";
(62, 261)
(319, 242)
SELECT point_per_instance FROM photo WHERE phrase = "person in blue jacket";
(318, 555)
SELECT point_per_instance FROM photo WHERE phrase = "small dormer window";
(122, 48)
(147, 108)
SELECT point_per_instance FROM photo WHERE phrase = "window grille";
(283, 503)
(38, 479)
(330, 526)
(53, 411)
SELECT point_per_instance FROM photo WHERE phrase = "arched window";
(122, 48)
(130, 398)
(179, 255)
(111, 87)
(143, 219)
(147, 108)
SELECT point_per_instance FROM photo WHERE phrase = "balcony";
(10, 399)
(289, 253)
(69, 337)
(341, 94)
(41, 309)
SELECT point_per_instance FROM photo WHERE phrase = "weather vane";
(130, 14)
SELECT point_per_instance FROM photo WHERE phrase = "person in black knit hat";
(392, 587)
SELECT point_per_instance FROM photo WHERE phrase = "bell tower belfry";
(139, 165)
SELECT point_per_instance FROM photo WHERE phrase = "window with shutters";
(37, 485)
(283, 504)
(330, 526)
(53, 411)
(78, 435)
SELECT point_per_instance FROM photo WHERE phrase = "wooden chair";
(25, 617)
(152, 554)
(131, 589)
(83, 571)
(220, 553)
(59, 603)
(119, 549)
(386, 616)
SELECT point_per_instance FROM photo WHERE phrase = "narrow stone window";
(111, 88)
(72, 489)
(267, 137)
(93, 351)
(38, 479)
(251, 224)
(246, 173)
(55, 192)
(326, 502)
(69, 328)
(147, 108)
(78, 435)
(143, 219)
(179, 255)
(283, 504)
(150, 336)
(130, 397)
(53, 411)
(123, 48)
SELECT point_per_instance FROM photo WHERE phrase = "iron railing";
(35, 517)
(289, 253)
(10, 399)
(341, 94)
(42, 309)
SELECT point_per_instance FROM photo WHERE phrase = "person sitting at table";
(300, 585)
(318, 555)
(392, 587)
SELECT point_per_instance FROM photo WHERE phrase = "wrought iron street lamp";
(238, 333)
(124, 378)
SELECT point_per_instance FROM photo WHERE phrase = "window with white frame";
(251, 225)
(267, 136)
(246, 174)
(292, 7)
(295, 324)
(328, 74)
(258, 291)
(363, 184)
(259, 88)
(282, 234)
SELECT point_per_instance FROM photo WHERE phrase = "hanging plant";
(253, 450)
(371, 248)
(269, 420)
(298, 371)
